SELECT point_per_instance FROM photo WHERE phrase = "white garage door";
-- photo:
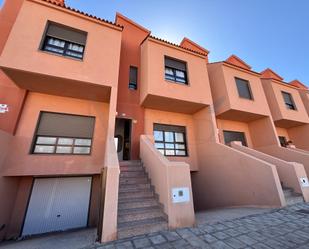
(57, 204)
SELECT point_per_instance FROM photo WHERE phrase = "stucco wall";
(169, 118)
(103, 46)
(20, 162)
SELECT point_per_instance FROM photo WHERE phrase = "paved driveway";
(279, 228)
(218, 229)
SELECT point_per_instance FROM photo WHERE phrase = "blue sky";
(263, 33)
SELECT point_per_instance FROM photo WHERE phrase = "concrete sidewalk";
(226, 228)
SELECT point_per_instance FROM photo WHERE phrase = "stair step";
(137, 203)
(139, 216)
(130, 163)
(124, 188)
(136, 194)
(294, 199)
(128, 174)
(131, 169)
(288, 192)
(139, 210)
(133, 180)
(130, 229)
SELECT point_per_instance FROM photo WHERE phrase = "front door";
(123, 138)
(230, 136)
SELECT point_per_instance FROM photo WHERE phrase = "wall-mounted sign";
(180, 195)
(4, 108)
(304, 182)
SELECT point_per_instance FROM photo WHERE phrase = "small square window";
(243, 87)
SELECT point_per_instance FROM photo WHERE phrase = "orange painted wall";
(153, 74)
(9, 93)
(128, 100)
(102, 50)
(276, 103)
(169, 118)
(225, 93)
(20, 162)
(283, 132)
(229, 125)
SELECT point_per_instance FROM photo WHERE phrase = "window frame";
(174, 75)
(283, 93)
(174, 131)
(248, 86)
(35, 137)
(239, 132)
(281, 142)
(44, 40)
(135, 86)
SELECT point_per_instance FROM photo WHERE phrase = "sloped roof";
(60, 3)
(235, 60)
(187, 43)
(270, 74)
(298, 84)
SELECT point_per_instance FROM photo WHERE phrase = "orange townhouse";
(57, 132)
(104, 125)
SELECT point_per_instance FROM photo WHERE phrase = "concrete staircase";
(291, 197)
(139, 211)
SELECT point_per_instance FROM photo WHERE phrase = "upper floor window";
(176, 70)
(133, 78)
(231, 136)
(63, 134)
(288, 100)
(243, 87)
(63, 40)
(170, 140)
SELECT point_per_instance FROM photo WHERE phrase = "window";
(230, 136)
(170, 140)
(64, 41)
(283, 141)
(63, 134)
(243, 88)
(288, 100)
(176, 70)
(133, 78)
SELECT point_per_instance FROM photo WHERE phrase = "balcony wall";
(158, 93)
(228, 104)
(282, 116)
(36, 70)
(20, 162)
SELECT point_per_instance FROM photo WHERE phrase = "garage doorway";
(58, 204)
(123, 138)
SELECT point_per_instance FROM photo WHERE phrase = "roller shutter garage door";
(57, 204)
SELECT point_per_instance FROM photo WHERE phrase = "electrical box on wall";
(304, 182)
(180, 195)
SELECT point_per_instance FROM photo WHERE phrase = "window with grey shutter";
(64, 40)
(170, 140)
(243, 87)
(175, 70)
(63, 134)
(288, 100)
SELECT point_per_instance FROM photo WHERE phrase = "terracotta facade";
(203, 98)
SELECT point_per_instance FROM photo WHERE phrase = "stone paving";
(279, 228)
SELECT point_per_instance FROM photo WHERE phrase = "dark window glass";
(230, 136)
(243, 88)
(176, 70)
(64, 41)
(133, 78)
(283, 141)
(63, 134)
(170, 140)
(288, 100)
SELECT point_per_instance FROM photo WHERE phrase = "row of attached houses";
(104, 125)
